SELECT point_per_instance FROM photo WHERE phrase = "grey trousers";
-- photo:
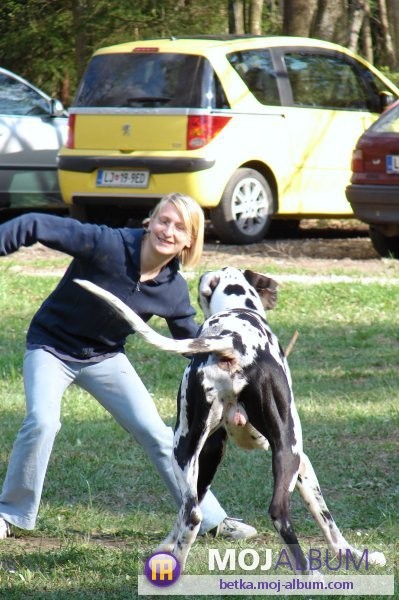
(116, 385)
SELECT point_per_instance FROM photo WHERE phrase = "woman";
(76, 338)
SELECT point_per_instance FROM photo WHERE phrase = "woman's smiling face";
(167, 231)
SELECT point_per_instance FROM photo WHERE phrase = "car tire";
(246, 208)
(385, 245)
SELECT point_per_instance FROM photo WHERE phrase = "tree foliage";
(50, 41)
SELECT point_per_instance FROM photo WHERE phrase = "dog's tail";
(223, 346)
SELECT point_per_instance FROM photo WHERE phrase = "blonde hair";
(193, 219)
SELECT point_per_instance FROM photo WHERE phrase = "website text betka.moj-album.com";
(231, 572)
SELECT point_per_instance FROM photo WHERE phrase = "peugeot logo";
(126, 129)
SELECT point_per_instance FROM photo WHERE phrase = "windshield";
(150, 79)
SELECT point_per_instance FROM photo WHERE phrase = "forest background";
(50, 41)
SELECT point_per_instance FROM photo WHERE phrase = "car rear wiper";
(147, 100)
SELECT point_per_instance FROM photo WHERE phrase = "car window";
(255, 68)
(18, 99)
(149, 80)
(325, 81)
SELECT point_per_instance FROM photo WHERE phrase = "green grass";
(103, 508)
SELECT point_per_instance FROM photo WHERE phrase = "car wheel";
(245, 210)
(385, 245)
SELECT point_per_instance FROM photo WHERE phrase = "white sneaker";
(5, 529)
(234, 529)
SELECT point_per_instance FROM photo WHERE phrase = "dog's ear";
(208, 283)
(266, 288)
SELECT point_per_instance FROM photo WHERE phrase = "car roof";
(210, 44)
(202, 43)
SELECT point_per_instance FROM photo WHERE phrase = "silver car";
(33, 127)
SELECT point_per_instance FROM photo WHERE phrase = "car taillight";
(70, 142)
(201, 129)
(357, 161)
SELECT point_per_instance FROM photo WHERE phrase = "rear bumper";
(88, 164)
(202, 179)
(374, 203)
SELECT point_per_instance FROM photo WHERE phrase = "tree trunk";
(79, 11)
(255, 17)
(356, 20)
(331, 21)
(236, 16)
(389, 54)
(66, 90)
(393, 17)
(368, 51)
(298, 16)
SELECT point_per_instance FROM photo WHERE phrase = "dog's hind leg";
(308, 486)
(209, 460)
(194, 480)
(192, 450)
(285, 470)
(272, 413)
(190, 516)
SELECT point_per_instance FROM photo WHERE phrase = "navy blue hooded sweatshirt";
(74, 324)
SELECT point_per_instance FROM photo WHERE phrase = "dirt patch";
(299, 252)
(43, 544)
(336, 245)
(333, 245)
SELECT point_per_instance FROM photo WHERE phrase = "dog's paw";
(377, 558)
(315, 575)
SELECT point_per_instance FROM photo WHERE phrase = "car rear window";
(150, 80)
(256, 69)
(388, 123)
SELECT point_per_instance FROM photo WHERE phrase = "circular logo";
(162, 569)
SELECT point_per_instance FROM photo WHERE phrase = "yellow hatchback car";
(253, 128)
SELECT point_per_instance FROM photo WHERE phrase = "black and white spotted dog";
(238, 383)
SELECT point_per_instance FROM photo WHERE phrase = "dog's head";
(236, 288)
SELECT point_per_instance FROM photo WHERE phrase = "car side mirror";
(56, 108)
(386, 99)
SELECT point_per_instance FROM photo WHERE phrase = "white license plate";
(122, 178)
(392, 163)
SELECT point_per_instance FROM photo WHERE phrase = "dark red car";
(374, 189)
